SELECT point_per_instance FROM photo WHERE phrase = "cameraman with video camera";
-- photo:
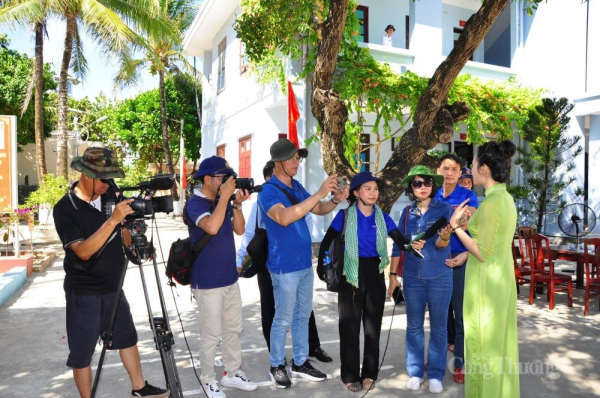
(216, 211)
(94, 261)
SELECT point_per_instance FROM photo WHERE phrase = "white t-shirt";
(386, 41)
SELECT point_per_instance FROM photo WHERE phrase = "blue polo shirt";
(290, 247)
(367, 231)
(433, 265)
(459, 195)
(215, 265)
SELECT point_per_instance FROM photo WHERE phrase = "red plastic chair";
(541, 258)
(522, 273)
(592, 278)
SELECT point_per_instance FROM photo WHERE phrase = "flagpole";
(182, 175)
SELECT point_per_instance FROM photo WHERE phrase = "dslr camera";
(244, 183)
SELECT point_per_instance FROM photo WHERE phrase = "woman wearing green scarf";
(362, 291)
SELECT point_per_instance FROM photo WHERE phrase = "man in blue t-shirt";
(284, 203)
(452, 193)
(214, 276)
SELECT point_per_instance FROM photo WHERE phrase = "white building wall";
(382, 14)
(451, 18)
(594, 167)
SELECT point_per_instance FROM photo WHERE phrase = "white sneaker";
(435, 386)
(213, 390)
(414, 383)
(239, 381)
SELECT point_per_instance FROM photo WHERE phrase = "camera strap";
(289, 195)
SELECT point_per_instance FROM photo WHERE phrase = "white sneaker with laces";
(213, 390)
(414, 383)
(239, 381)
(435, 386)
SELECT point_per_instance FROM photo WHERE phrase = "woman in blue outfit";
(427, 279)
(361, 294)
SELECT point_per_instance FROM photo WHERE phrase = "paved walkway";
(559, 349)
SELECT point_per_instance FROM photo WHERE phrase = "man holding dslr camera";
(214, 277)
(93, 264)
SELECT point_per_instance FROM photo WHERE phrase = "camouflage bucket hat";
(98, 163)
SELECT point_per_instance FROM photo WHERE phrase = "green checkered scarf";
(351, 252)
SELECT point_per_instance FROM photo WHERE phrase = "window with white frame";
(221, 70)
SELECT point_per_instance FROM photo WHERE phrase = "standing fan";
(577, 220)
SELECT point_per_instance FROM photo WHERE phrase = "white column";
(426, 35)
(593, 167)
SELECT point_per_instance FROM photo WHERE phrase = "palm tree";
(110, 24)
(14, 11)
(164, 54)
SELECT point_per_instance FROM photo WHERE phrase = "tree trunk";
(40, 151)
(165, 134)
(434, 118)
(63, 121)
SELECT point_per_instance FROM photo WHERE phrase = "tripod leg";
(107, 335)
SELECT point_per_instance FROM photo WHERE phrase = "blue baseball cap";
(466, 173)
(363, 177)
(212, 166)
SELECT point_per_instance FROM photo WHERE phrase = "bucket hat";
(364, 177)
(214, 165)
(466, 173)
(423, 171)
(98, 163)
(284, 149)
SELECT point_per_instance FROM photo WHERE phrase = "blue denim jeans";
(456, 312)
(436, 294)
(293, 304)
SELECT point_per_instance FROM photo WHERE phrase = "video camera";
(145, 204)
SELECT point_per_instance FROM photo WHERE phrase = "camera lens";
(245, 183)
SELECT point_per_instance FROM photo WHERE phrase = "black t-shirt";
(77, 220)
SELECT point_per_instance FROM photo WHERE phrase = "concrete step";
(11, 281)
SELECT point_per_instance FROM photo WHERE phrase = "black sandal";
(354, 387)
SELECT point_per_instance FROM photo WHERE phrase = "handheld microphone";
(430, 232)
(159, 183)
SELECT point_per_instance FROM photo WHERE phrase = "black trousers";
(366, 304)
(267, 311)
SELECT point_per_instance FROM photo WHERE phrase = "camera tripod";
(161, 330)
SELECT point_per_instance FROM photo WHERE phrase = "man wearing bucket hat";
(454, 194)
(283, 204)
(386, 40)
(93, 264)
(214, 276)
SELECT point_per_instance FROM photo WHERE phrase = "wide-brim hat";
(390, 27)
(284, 149)
(212, 166)
(98, 163)
(423, 171)
(364, 177)
(466, 173)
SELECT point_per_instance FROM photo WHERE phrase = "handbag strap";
(400, 270)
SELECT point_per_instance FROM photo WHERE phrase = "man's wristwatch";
(237, 207)
(335, 202)
(393, 274)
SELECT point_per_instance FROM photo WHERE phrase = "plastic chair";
(592, 278)
(541, 258)
(522, 273)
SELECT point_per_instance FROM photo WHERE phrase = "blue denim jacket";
(433, 265)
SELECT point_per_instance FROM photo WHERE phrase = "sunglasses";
(105, 180)
(418, 184)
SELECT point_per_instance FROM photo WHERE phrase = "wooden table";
(561, 252)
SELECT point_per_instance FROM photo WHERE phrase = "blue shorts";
(88, 317)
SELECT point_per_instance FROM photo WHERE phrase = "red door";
(245, 156)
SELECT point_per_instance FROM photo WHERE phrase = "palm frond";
(144, 16)
(22, 12)
(79, 63)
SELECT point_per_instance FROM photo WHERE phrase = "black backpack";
(182, 256)
(333, 271)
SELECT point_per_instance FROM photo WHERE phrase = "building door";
(245, 157)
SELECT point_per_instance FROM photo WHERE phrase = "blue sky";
(101, 70)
